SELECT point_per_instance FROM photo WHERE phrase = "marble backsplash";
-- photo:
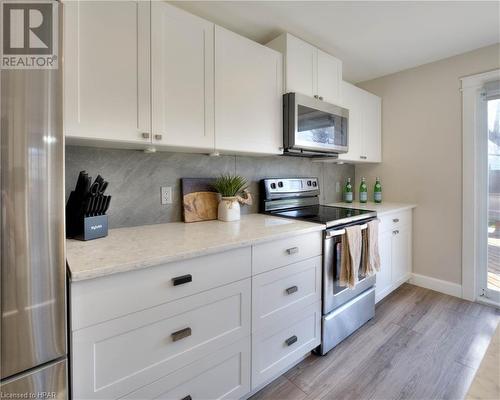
(135, 178)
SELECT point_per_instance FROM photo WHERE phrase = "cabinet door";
(353, 101)
(106, 70)
(401, 255)
(372, 132)
(301, 67)
(384, 278)
(182, 78)
(248, 101)
(329, 75)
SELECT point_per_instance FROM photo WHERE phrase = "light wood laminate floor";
(420, 345)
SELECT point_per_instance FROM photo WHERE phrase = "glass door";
(490, 279)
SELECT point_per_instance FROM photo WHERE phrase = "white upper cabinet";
(365, 133)
(182, 66)
(329, 73)
(373, 127)
(300, 64)
(248, 95)
(308, 70)
(106, 70)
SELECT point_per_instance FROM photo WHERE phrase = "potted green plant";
(229, 187)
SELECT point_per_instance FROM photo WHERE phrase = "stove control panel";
(289, 187)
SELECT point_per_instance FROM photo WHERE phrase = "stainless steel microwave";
(312, 127)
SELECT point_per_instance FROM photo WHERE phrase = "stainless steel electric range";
(344, 309)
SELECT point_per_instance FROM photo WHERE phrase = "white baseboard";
(446, 287)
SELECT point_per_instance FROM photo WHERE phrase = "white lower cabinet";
(158, 335)
(222, 375)
(116, 357)
(395, 246)
(288, 340)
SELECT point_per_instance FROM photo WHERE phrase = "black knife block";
(94, 228)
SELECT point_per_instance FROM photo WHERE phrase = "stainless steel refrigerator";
(33, 270)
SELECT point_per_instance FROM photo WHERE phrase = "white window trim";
(473, 200)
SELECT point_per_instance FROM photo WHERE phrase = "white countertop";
(380, 208)
(127, 249)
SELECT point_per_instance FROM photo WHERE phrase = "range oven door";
(312, 125)
(335, 295)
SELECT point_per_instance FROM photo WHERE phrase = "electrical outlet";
(166, 195)
(337, 187)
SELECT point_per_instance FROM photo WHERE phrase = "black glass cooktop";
(328, 215)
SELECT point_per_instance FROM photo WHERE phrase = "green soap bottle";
(363, 191)
(377, 191)
(348, 191)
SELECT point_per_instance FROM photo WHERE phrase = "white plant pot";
(229, 209)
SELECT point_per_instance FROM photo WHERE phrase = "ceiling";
(372, 38)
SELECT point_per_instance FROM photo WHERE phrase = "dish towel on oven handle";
(350, 256)
(371, 260)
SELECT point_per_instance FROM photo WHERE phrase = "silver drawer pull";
(292, 250)
(292, 289)
(395, 232)
(291, 340)
(145, 135)
(363, 157)
(395, 220)
(158, 136)
(188, 397)
(183, 333)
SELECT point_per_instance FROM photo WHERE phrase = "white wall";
(421, 150)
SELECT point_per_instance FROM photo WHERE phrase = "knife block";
(94, 227)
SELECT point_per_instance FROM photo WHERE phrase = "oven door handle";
(330, 234)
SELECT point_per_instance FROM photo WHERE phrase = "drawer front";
(275, 350)
(98, 300)
(286, 289)
(271, 255)
(395, 220)
(116, 357)
(224, 374)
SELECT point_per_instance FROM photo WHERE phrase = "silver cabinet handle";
(145, 135)
(291, 340)
(183, 333)
(395, 232)
(321, 98)
(292, 250)
(395, 220)
(316, 96)
(158, 136)
(188, 397)
(363, 157)
(292, 289)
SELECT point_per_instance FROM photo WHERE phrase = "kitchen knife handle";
(181, 280)
(292, 289)
(108, 201)
(183, 333)
(291, 340)
(103, 187)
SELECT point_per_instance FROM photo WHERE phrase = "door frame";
(474, 181)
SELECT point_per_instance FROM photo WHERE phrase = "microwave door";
(315, 125)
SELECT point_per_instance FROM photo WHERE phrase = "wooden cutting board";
(199, 199)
